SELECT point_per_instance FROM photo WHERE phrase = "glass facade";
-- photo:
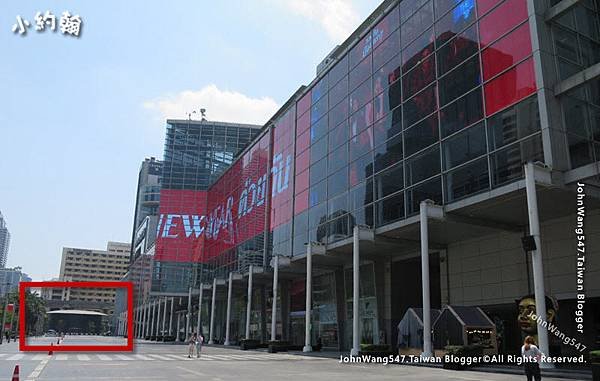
(437, 101)
(576, 39)
(196, 154)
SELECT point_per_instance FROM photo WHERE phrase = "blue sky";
(77, 116)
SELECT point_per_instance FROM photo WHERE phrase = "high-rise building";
(10, 278)
(445, 156)
(146, 206)
(81, 265)
(4, 241)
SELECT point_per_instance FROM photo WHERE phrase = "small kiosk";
(410, 331)
(464, 325)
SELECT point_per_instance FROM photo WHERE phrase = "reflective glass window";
(510, 87)
(389, 181)
(361, 119)
(301, 182)
(483, 6)
(507, 51)
(318, 130)
(318, 193)
(302, 161)
(507, 163)
(318, 150)
(361, 195)
(459, 81)
(361, 51)
(339, 71)
(338, 205)
(338, 114)
(339, 92)
(388, 153)
(386, 75)
(318, 110)
(429, 190)
(416, 24)
(337, 182)
(389, 99)
(390, 209)
(423, 165)
(303, 142)
(420, 106)
(502, 19)
(338, 158)
(361, 95)
(361, 144)
(464, 146)
(303, 104)
(455, 21)
(338, 136)
(386, 50)
(301, 202)
(303, 123)
(318, 171)
(466, 180)
(317, 215)
(419, 77)
(514, 123)
(456, 51)
(359, 74)
(420, 48)
(319, 90)
(421, 135)
(360, 169)
(388, 126)
(408, 7)
(461, 113)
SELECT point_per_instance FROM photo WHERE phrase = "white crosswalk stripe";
(160, 357)
(123, 357)
(142, 357)
(155, 357)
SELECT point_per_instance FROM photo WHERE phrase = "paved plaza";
(152, 361)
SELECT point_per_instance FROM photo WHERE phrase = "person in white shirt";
(531, 358)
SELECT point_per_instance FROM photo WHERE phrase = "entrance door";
(407, 290)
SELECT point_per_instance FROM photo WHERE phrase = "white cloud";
(220, 105)
(338, 17)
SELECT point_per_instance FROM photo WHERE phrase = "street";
(154, 361)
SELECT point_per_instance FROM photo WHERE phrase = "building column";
(274, 306)
(171, 316)
(427, 352)
(164, 319)
(178, 326)
(211, 334)
(536, 257)
(144, 319)
(158, 317)
(153, 320)
(355, 292)
(229, 292)
(198, 324)
(249, 302)
(307, 322)
(188, 315)
(427, 210)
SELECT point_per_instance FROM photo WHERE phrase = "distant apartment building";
(4, 241)
(10, 278)
(80, 265)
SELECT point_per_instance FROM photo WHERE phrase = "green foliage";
(375, 348)
(35, 314)
(595, 357)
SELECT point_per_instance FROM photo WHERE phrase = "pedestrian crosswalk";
(153, 357)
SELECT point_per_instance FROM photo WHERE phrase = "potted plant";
(459, 353)
(595, 361)
(246, 344)
(277, 346)
(376, 350)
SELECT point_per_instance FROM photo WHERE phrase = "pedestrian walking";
(531, 358)
(192, 344)
(199, 343)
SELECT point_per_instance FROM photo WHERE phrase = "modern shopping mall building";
(487, 109)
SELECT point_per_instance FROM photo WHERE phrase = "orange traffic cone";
(50, 351)
(15, 376)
